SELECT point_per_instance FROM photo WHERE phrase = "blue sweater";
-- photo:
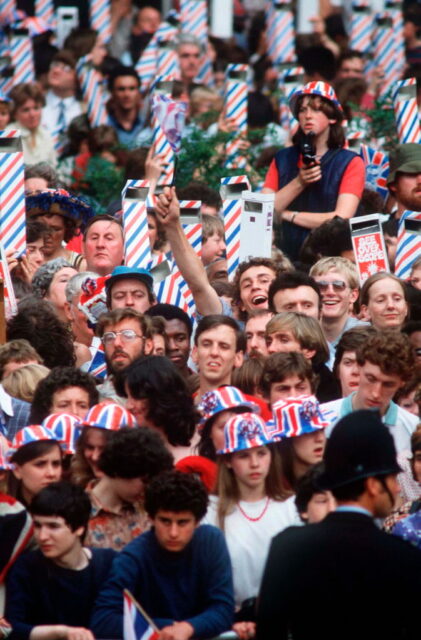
(193, 585)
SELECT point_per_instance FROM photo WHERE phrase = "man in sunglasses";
(337, 280)
(125, 335)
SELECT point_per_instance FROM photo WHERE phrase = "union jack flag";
(377, 169)
(295, 417)
(137, 624)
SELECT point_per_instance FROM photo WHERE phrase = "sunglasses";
(338, 285)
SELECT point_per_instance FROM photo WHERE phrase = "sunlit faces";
(216, 355)
(178, 341)
(56, 290)
(250, 467)
(35, 253)
(139, 407)
(336, 294)
(94, 441)
(39, 472)
(125, 93)
(120, 351)
(129, 292)
(301, 299)
(213, 248)
(348, 373)
(35, 184)
(73, 400)
(309, 448)
(103, 247)
(376, 389)
(55, 538)
(254, 287)
(53, 240)
(407, 190)
(28, 115)
(189, 61)
(159, 346)
(289, 387)
(256, 336)
(351, 68)
(61, 76)
(319, 505)
(174, 529)
(387, 307)
(311, 118)
(282, 341)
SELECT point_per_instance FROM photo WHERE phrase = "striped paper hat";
(245, 431)
(66, 429)
(32, 433)
(106, 415)
(295, 417)
(213, 402)
(319, 88)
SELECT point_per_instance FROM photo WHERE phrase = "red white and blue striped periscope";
(384, 51)
(6, 69)
(280, 32)
(10, 302)
(361, 35)
(235, 105)
(394, 8)
(44, 9)
(7, 9)
(376, 169)
(194, 20)
(406, 111)
(288, 82)
(146, 66)
(22, 58)
(137, 248)
(93, 93)
(12, 193)
(169, 291)
(232, 207)
(409, 244)
(100, 18)
(167, 59)
(135, 625)
(162, 147)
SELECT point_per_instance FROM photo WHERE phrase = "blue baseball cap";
(122, 272)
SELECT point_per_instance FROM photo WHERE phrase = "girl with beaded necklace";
(250, 504)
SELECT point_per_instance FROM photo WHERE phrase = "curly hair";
(176, 491)
(135, 453)
(37, 322)
(60, 378)
(389, 350)
(242, 268)
(171, 407)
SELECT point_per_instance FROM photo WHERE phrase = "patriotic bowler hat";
(319, 88)
(106, 415)
(245, 431)
(32, 433)
(223, 399)
(66, 429)
(295, 417)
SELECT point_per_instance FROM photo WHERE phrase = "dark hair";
(318, 60)
(60, 378)
(390, 227)
(171, 407)
(23, 92)
(279, 366)
(35, 230)
(205, 446)
(411, 327)
(17, 351)
(336, 132)
(102, 138)
(118, 315)
(242, 268)
(196, 190)
(351, 491)
(291, 280)
(103, 217)
(32, 450)
(171, 312)
(119, 72)
(64, 500)
(307, 487)
(351, 340)
(217, 320)
(135, 453)
(330, 239)
(176, 491)
(37, 322)
(348, 54)
(248, 377)
(80, 41)
(66, 56)
(389, 350)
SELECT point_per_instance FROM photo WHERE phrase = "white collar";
(5, 402)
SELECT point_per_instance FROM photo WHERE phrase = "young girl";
(250, 506)
(299, 426)
(37, 461)
(100, 420)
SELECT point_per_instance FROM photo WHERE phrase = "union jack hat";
(106, 415)
(245, 431)
(66, 429)
(319, 88)
(5, 448)
(295, 417)
(33, 433)
(223, 399)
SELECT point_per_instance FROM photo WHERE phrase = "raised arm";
(190, 265)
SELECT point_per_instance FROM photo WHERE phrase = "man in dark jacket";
(343, 577)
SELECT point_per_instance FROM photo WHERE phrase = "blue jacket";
(193, 585)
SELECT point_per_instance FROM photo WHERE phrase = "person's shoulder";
(406, 418)
(208, 536)
(103, 556)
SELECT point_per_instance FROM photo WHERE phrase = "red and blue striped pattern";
(361, 27)
(280, 33)
(137, 248)
(406, 111)
(65, 428)
(213, 402)
(409, 246)
(22, 59)
(7, 10)
(12, 195)
(44, 9)
(194, 18)
(32, 433)
(98, 366)
(376, 169)
(236, 105)
(108, 416)
(245, 431)
(232, 208)
(93, 93)
(384, 51)
(294, 417)
(100, 18)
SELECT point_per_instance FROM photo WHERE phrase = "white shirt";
(51, 111)
(248, 542)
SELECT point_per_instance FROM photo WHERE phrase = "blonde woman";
(22, 382)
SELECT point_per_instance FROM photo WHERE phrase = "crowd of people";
(248, 463)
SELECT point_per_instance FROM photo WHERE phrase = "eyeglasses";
(338, 285)
(127, 335)
(61, 65)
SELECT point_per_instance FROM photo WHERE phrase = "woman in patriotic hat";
(37, 460)
(299, 426)
(99, 422)
(315, 179)
(250, 504)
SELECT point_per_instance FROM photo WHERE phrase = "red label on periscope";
(369, 254)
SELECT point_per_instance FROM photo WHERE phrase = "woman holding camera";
(315, 179)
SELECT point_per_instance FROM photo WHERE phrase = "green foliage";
(102, 183)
